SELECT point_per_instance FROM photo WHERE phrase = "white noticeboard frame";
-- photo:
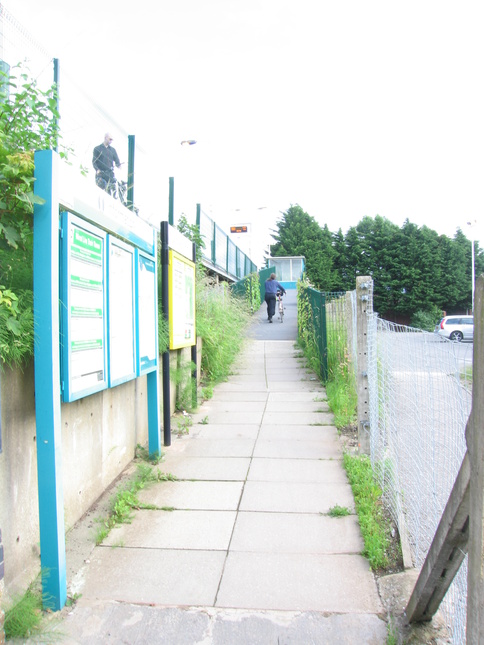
(122, 357)
(147, 315)
(83, 309)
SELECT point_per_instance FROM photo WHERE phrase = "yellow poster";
(181, 274)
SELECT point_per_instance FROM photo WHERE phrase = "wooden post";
(363, 301)
(475, 448)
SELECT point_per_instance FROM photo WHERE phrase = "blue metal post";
(47, 382)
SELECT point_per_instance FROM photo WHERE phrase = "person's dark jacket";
(104, 158)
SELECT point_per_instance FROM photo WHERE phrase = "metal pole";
(131, 148)
(56, 117)
(194, 348)
(166, 354)
(171, 201)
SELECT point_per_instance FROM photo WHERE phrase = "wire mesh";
(420, 399)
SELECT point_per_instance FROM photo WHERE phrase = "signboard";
(121, 312)
(181, 276)
(147, 314)
(84, 309)
(239, 229)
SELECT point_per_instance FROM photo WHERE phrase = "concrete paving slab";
(113, 623)
(289, 386)
(295, 497)
(242, 387)
(297, 395)
(257, 377)
(298, 433)
(234, 447)
(284, 375)
(206, 468)
(297, 406)
(235, 418)
(220, 431)
(297, 470)
(296, 581)
(152, 529)
(247, 396)
(154, 576)
(228, 405)
(296, 533)
(303, 449)
(194, 495)
(298, 418)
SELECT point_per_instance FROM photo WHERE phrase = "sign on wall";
(182, 300)
(147, 314)
(83, 309)
(121, 308)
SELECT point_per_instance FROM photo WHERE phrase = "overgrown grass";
(126, 499)
(23, 618)
(222, 319)
(339, 511)
(367, 494)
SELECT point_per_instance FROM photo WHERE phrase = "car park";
(456, 328)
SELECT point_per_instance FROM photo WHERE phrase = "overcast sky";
(347, 108)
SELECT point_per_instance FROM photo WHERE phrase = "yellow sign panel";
(239, 229)
(181, 276)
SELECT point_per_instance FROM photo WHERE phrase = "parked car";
(457, 328)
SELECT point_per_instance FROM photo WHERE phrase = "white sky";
(347, 108)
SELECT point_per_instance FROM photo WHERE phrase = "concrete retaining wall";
(99, 438)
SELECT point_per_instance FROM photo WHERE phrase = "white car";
(456, 328)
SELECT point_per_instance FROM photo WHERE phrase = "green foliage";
(426, 320)
(16, 327)
(339, 511)
(413, 268)
(126, 500)
(222, 319)
(28, 122)
(192, 232)
(252, 291)
(23, 618)
(367, 494)
(299, 234)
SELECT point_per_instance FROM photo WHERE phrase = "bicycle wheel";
(281, 312)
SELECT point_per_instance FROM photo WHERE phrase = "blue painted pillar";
(47, 382)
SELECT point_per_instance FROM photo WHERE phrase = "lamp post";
(472, 223)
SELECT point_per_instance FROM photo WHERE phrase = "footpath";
(240, 549)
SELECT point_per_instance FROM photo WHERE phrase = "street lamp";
(472, 223)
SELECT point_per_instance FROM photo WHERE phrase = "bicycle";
(115, 187)
(280, 306)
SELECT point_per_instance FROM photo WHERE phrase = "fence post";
(475, 448)
(363, 302)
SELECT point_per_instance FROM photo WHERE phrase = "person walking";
(271, 289)
(104, 158)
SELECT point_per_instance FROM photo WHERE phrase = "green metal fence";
(322, 328)
(240, 288)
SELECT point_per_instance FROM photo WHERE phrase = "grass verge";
(375, 528)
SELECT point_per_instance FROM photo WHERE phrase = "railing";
(419, 391)
(220, 252)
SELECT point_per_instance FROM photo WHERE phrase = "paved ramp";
(248, 554)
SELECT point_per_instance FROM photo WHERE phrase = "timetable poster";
(182, 301)
(147, 313)
(86, 310)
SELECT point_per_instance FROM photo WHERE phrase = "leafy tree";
(299, 234)
(28, 122)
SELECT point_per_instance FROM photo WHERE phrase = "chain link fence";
(420, 396)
